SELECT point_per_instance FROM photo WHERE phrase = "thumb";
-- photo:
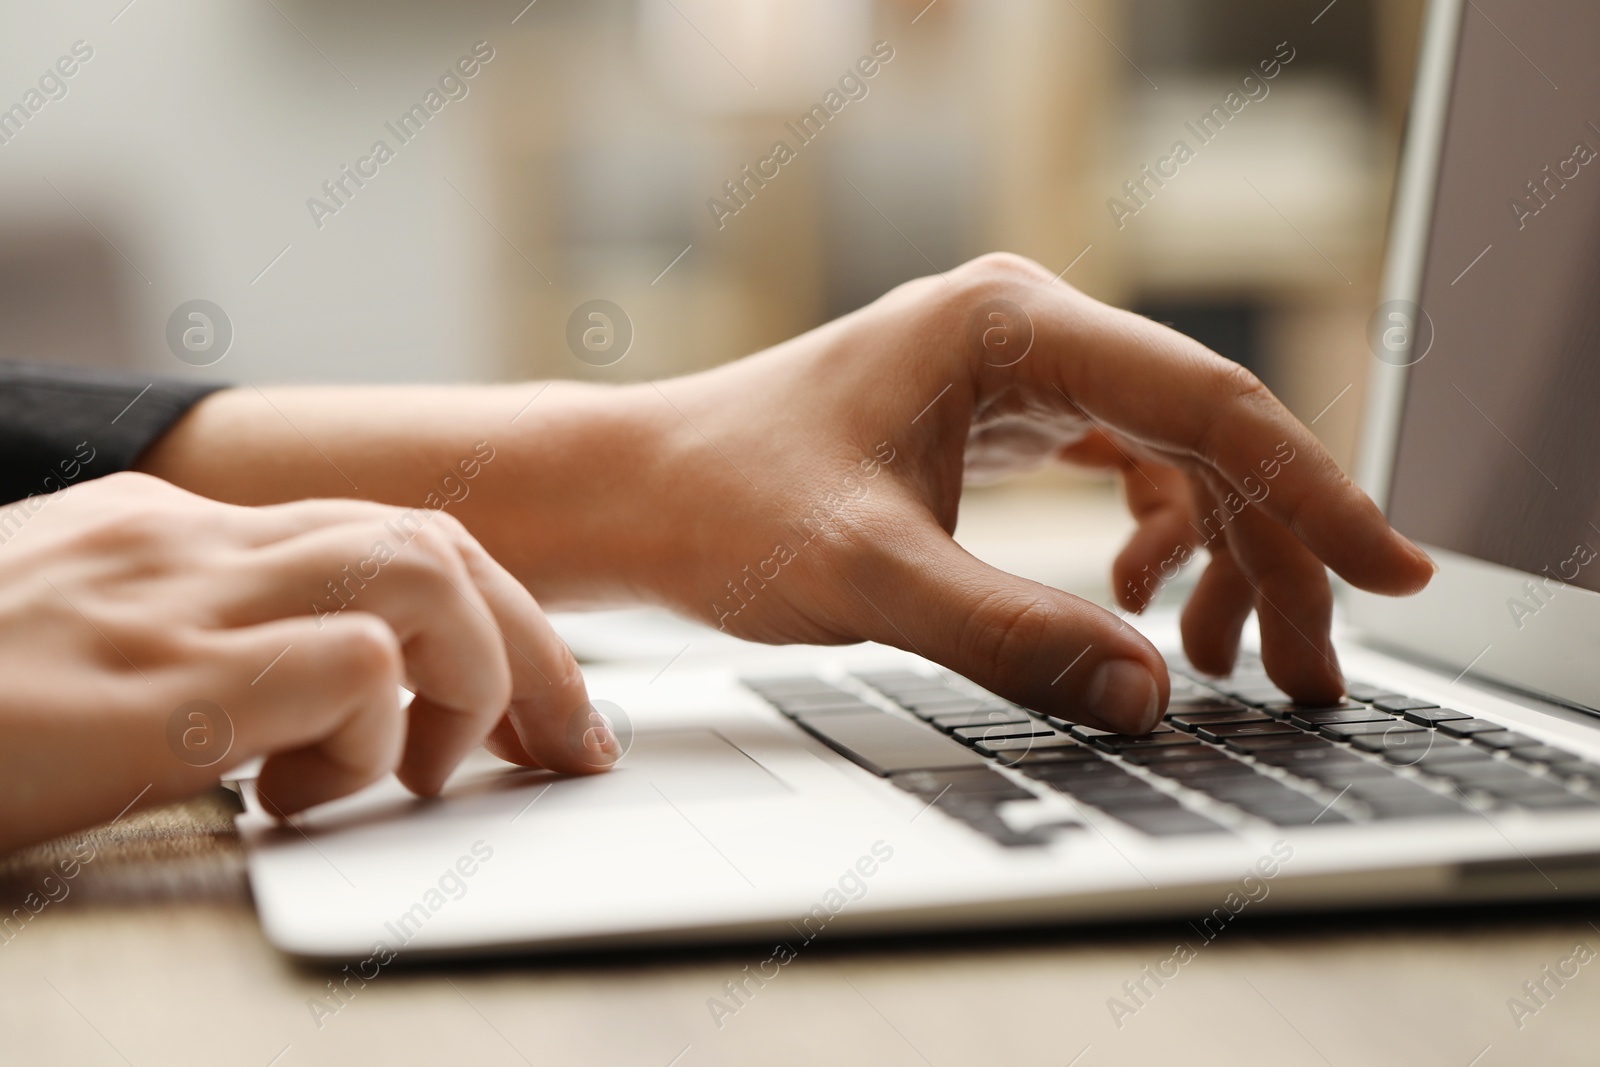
(1031, 644)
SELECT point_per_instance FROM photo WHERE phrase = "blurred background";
(580, 162)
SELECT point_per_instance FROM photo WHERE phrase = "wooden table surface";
(154, 957)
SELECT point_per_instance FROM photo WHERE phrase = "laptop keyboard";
(1230, 752)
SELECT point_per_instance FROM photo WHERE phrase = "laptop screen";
(1498, 455)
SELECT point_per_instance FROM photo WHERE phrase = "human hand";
(822, 509)
(124, 600)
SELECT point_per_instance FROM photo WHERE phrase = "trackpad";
(682, 766)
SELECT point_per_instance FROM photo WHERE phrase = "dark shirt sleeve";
(62, 425)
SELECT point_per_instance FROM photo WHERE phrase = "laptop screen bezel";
(1460, 622)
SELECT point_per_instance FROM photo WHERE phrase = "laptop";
(784, 795)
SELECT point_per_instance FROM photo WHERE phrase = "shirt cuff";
(62, 425)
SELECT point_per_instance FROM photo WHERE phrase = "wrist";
(582, 503)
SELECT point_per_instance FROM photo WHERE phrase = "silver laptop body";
(781, 795)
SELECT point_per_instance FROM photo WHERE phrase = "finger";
(1213, 618)
(548, 720)
(550, 717)
(1294, 606)
(1172, 394)
(1029, 643)
(1164, 541)
(455, 657)
(504, 743)
(1159, 499)
(325, 711)
(1097, 449)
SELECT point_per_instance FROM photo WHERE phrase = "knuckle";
(1235, 391)
(452, 529)
(434, 544)
(366, 652)
(1003, 268)
(996, 275)
(134, 482)
(428, 557)
(142, 534)
(1238, 383)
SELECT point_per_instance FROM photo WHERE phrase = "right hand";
(124, 599)
(837, 459)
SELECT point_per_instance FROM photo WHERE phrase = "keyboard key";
(843, 707)
(1547, 754)
(950, 704)
(974, 734)
(1389, 787)
(1258, 695)
(1258, 746)
(1303, 811)
(1111, 794)
(1334, 716)
(1389, 703)
(1468, 727)
(977, 782)
(883, 679)
(1492, 776)
(1337, 774)
(1259, 791)
(808, 702)
(1202, 769)
(1122, 800)
(987, 822)
(1200, 704)
(1052, 752)
(1073, 770)
(1238, 714)
(1553, 801)
(1170, 822)
(1154, 755)
(1019, 746)
(1086, 777)
(1412, 742)
(1089, 733)
(1222, 731)
(1433, 716)
(1124, 743)
(1426, 806)
(956, 720)
(929, 693)
(1581, 774)
(1367, 693)
(1315, 751)
(802, 683)
(1340, 762)
(885, 744)
(1506, 739)
(1344, 731)
(926, 689)
(1441, 754)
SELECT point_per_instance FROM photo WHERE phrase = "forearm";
(546, 476)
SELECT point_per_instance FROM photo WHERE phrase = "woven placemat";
(188, 852)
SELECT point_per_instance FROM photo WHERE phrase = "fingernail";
(599, 744)
(1416, 550)
(1124, 694)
